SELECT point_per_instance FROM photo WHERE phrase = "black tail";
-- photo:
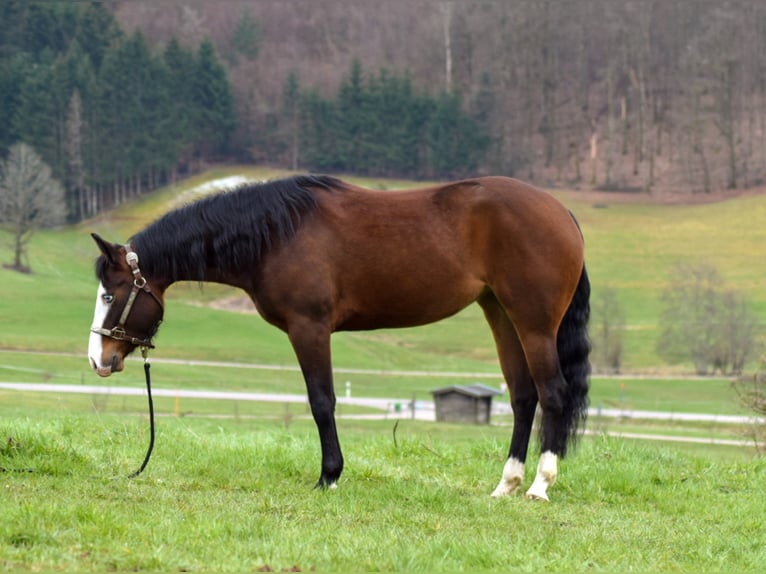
(574, 347)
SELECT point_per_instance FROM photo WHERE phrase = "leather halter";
(118, 332)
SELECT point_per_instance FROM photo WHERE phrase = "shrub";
(704, 322)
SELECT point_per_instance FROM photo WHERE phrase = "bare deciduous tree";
(705, 322)
(30, 199)
(751, 390)
(607, 326)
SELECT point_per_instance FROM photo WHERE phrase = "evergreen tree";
(111, 131)
(290, 118)
(382, 126)
(181, 116)
(352, 120)
(13, 72)
(47, 26)
(11, 34)
(400, 117)
(245, 39)
(215, 115)
(34, 118)
(146, 105)
(96, 31)
(456, 143)
(133, 103)
(319, 133)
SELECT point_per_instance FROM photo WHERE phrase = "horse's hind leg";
(536, 326)
(543, 362)
(520, 387)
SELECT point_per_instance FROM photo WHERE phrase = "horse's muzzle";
(108, 369)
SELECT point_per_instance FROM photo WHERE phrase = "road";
(395, 408)
(389, 407)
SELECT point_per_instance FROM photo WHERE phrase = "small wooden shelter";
(464, 403)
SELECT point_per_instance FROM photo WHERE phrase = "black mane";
(227, 230)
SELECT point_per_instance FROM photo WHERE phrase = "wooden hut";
(464, 403)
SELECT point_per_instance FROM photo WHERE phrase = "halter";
(118, 332)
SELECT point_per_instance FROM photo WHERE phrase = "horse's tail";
(574, 348)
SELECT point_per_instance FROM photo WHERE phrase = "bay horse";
(318, 255)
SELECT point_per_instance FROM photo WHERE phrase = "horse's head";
(128, 309)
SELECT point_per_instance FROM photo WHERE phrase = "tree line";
(114, 118)
(659, 96)
(381, 125)
(650, 95)
(107, 114)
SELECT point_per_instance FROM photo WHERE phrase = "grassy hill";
(631, 248)
(232, 492)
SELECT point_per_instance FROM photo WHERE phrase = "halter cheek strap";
(118, 332)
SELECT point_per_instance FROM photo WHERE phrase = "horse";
(318, 255)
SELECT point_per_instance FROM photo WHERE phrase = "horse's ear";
(108, 249)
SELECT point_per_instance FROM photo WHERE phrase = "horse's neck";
(170, 265)
(210, 275)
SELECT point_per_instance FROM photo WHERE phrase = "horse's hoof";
(537, 494)
(325, 485)
(507, 486)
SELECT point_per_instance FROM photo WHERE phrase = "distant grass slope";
(629, 247)
(633, 248)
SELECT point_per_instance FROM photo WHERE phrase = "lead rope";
(147, 366)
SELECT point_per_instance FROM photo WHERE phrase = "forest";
(663, 97)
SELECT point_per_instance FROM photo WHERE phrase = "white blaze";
(95, 350)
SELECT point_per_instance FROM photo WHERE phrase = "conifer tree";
(213, 102)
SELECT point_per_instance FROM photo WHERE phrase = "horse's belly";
(403, 307)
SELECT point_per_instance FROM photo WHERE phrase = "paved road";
(424, 410)
(391, 406)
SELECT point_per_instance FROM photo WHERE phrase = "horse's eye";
(107, 297)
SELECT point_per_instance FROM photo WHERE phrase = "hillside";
(631, 248)
(659, 96)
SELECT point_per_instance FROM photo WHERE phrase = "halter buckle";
(119, 333)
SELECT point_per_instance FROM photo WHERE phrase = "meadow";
(229, 486)
(231, 496)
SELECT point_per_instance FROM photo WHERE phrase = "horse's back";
(403, 258)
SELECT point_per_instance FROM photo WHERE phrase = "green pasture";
(229, 487)
(631, 248)
(236, 495)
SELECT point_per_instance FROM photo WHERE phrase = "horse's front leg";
(311, 343)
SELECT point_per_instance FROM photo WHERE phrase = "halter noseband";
(118, 332)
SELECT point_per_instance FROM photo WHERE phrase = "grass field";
(631, 248)
(234, 493)
(236, 496)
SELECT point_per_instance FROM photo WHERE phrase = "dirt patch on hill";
(235, 304)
